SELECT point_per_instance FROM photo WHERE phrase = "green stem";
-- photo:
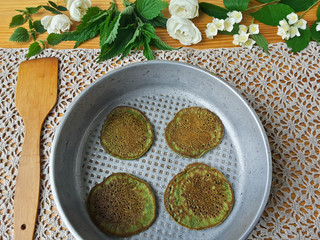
(309, 9)
(261, 5)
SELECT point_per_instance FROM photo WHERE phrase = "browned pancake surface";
(126, 133)
(194, 131)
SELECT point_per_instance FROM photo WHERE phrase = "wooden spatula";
(36, 94)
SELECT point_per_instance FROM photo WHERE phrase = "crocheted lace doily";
(282, 87)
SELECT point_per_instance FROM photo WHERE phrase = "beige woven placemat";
(282, 87)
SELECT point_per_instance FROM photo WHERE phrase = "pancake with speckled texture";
(126, 133)
(193, 131)
(122, 205)
(199, 197)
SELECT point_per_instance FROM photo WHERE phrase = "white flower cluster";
(179, 25)
(61, 23)
(223, 24)
(289, 29)
(242, 38)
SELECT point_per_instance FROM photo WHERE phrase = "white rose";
(78, 8)
(56, 24)
(183, 30)
(184, 8)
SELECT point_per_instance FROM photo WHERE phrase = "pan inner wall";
(160, 163)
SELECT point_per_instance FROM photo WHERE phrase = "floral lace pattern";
(282, 87)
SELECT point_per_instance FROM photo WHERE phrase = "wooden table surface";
(7, 11)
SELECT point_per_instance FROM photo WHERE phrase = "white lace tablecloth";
(282, 87)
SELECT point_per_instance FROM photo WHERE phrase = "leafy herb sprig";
(22, 34)
(120, 32)
(270, 12)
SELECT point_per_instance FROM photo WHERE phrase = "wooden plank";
(7, 11)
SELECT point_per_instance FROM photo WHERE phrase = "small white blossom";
(236, 15)
(236, 39)
(56, 24)
(293, 31)
(183, 30)
(78, 8)
(243, 37)
(301, 23)
(243, 28)
(254, 29)
(293, 18)
(283, 33)
(284, 24)
(184, 8)
(249, 43)
(211, 30)
(219, 23)
(228, 24)
(318, 27)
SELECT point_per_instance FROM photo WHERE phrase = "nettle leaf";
(272, 14)
(33, 10)
(298, 43)
(17, 21)
(239, 5)
(34, 49)
(315, 35)
(261, 41)
(150, 9)
(299, 5)
(213, 10)
(54, 38)
(38, 26)
(318, 13)
(20, 34)
(114, 32)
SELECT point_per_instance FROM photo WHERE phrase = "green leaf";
(158, 43)
(147, 52)
(267, 1)
(20, 34)
(34, 49)
(55, 38)
(315, 35)
(114, 31)
(62, 8)
(298, 43)
(52, 10)
(318, 13)
(239, 5)
(118, 46)
(38, 27)
(261, 41)
(150, 9)
(299, 5)
(53, 4)
(213, 10)
(33, 10)
(17, 21)
(158, 21)
(272, 14)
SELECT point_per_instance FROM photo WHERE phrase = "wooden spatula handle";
(28, 184)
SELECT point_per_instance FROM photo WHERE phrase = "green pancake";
(199, 197)
(193, 131)
(122, 205)
(126, 133)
